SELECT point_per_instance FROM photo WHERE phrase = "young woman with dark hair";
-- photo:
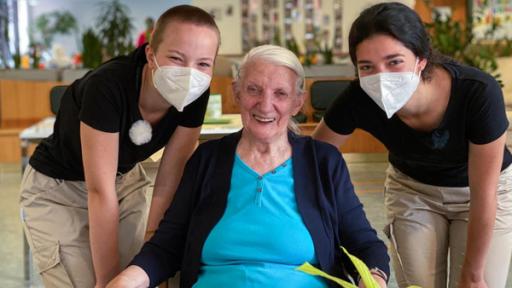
(448, 190)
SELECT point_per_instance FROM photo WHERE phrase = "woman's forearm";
(103, 233)
(132, 277)
(482, 214)
(166, 182)
(484, 166)
(176, 154)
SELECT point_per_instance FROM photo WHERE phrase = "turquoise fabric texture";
(261, 238)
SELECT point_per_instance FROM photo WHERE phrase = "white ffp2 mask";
(180, 86)
(390, 90)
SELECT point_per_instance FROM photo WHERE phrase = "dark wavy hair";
(400, 22)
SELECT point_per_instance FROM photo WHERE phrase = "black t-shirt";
(475, 113)
(107, 100)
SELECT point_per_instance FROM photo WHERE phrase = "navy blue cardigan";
(325, 197)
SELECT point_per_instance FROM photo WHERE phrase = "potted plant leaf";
(57, 22)
(450, 38)
(114, 27)
(91, 52)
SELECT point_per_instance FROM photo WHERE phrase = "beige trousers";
(428, 226)
(55, 220)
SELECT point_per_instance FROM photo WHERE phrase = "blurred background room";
(49, 43)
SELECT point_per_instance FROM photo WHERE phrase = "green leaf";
(312, 270)
(361, 268)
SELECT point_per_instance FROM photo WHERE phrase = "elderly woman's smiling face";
(268, 97)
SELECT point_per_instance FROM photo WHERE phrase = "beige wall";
(231, 29)
(229, 25)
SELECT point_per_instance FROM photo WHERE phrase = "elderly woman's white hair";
(278, 56)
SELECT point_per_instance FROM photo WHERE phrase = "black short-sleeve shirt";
(475, 113)
(107, 100)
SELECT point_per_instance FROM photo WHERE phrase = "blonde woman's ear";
(150, 56)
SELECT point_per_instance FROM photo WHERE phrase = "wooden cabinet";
(24, 102)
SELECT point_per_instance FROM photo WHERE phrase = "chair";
(323, 92)
(56, 94)
(301, 117)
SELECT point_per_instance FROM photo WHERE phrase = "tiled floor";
(367, 173)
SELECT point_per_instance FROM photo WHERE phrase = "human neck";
(428, 104)
(152, 106)
(264, 156)
(150, 99)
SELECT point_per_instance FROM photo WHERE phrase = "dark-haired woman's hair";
(400, 22)
(184, 14)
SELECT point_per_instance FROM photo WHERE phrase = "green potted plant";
(450, 38)
(53, 23)
(291, 44)
(91, 51)
(325, 50)
(114, 28)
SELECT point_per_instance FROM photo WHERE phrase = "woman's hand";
(469, 284)
(131, 277)
(470, 279)
(380, 281)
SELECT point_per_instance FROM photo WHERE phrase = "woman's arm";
(484, 166)
(162, 256)
(354, 230)
(100, 153)
(178, 150)
(131, 277)
(324, 133)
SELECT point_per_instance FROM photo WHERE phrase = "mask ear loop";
(153, 70)
(158, 66)
(414, 69)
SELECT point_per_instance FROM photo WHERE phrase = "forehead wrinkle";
(266, 74)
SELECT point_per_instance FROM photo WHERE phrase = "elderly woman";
(256, 204)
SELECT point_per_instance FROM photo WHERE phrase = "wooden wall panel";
(222, 85)
(362, 142)
(359, 142)
(24, 102)
(10, 151)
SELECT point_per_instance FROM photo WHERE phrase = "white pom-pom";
(140, 132)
